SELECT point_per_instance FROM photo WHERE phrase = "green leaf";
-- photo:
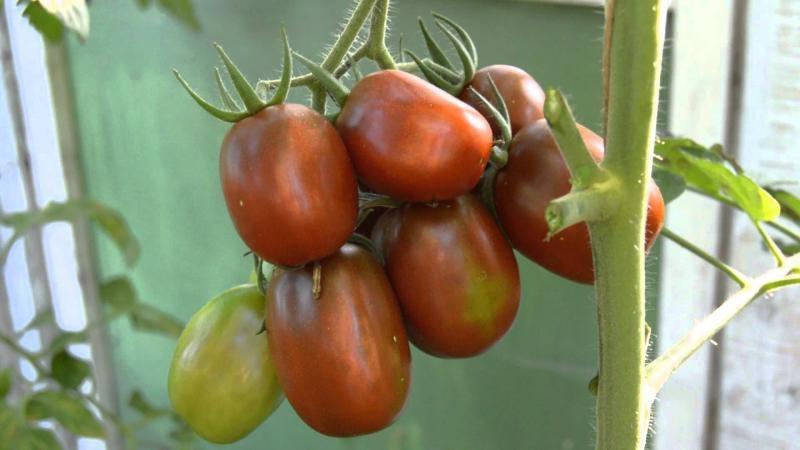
(64, 339)
(670, 184)
(47, 24)
(5, 382)
(790, 204)
(119, 294)
(140, 404)
(182, 10)
(69, 371)
(30, 438)
(10, 426)
(706, 171)
(109, 221)
(68, 410)
(41, 318)
(148, 318)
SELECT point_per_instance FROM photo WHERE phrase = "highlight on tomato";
(535, 175)
(222, 380)
(337, 338)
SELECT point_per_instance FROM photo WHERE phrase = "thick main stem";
(632, 66)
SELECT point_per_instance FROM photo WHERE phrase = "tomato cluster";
(378, 239)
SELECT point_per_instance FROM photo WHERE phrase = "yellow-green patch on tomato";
(222, 381)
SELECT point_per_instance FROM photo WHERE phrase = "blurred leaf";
(790, 204)
(181, 434)
(788, 248)
(42, 317)
(705, 170)
(670, 184)
(29, 438)
(69, 371)
(5, 382)
(140, 404)
(148, 318)
(72, 13)
(109, 220)
(47, 24)
(119, 294)
(62, 340)
(68, 410)
(593, 385)
(10, 425)
(182, 10)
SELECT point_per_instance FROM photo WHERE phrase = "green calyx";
(438, 69)
(498, 112)
(231, 110)
(337, 90)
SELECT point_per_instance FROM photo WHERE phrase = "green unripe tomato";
(222, 381)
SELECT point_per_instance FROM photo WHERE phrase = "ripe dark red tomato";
(523, 96)
(343, 359)
(411, 140)
(537, 174)
(289, 184)
(454, 274)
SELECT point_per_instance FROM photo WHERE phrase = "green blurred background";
(150, 152)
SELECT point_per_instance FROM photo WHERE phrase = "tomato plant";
(222, 381)
(522, 94)
(467, 296)
(411, 140)
(284, 172)
(339, 344)
(535, 175)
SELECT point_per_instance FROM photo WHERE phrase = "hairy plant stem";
(740, 278)
(340, 49)
(659, 371)
(634, 40)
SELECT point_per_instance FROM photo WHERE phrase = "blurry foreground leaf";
(68, 370)
(109, 220)
(67, 410)
(147, 318)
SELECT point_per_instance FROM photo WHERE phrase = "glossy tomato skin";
(289, 185)
(343, 359)
(454, 274)
(523, 96)
(411, 140)
(537, 174)
(222, 381)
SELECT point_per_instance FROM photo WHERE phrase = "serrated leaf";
(69, 371)
(45, 23)
(109, 221)
(710, 174)
(30, 438)
(5, 382)
(670, 184)
(62, 340)
(148, 318)
(67, 410)
(72, 13)
(119, 294)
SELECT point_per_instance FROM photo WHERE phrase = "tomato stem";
(584, 205)
(582, 166)
(659, 371)
(376, 42)
(733, 274)
(634, 41)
